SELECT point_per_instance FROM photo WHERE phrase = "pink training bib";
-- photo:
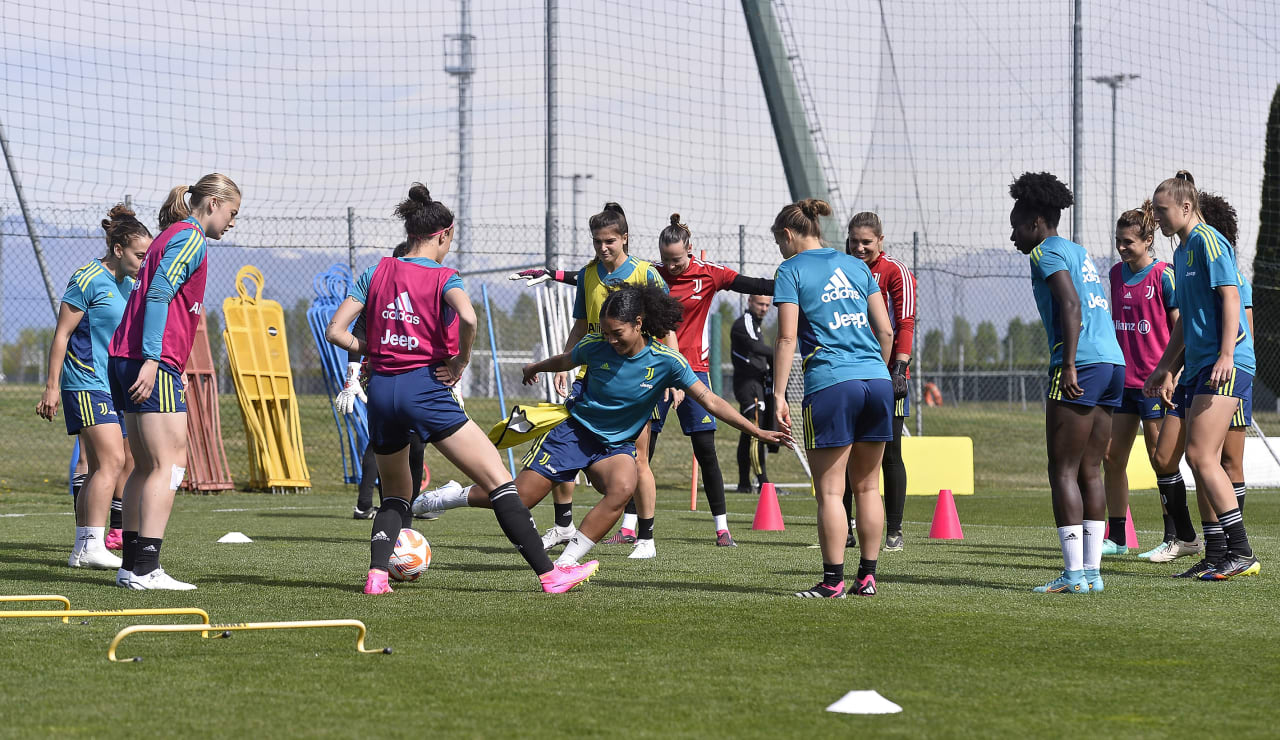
(408, 324)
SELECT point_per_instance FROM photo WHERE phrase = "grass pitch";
(699, 642)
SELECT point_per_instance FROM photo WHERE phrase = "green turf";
(700, 642)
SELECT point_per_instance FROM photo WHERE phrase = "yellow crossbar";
(228, 628)
(66, 614)
(66, 603)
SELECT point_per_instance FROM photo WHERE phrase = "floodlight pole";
(462, 70)
(1077, 124)
(1115, 82)
(550, 79)
(31, 226)
(576, 191)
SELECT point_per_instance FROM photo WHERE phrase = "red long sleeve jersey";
(898, 286)
(696, 288)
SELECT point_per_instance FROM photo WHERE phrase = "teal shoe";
(1111, 548)
(1094, 579)
(1070, 582)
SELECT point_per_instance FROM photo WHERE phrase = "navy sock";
(564, 514)
(644, 528)
(147, 555)
(1232, 523)
(833, 574)
(391, 518)
(117, 513)
(129, 553)
(517, 524)
(1241, 490)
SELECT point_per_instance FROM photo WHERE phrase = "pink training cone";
(946, 522)
(768, 516)
(1130, 534)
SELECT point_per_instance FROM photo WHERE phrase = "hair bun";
(814, 208)
(675, 219)
(418, 193)
(611, 206)
(118, 212)
(1184, 175)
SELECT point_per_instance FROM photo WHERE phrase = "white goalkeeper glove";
(346, 400)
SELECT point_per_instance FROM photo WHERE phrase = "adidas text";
(396, 314)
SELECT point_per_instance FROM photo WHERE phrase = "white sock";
(78, 545)
(96, 534)
(575, 550)
(722, 522)
(629, 521)
(1093, 543)
(1071, 538)
(454, 499)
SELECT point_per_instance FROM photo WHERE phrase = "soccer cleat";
(123, 577)
(93, 557)
(1198, 570)
(1235, 566)
(893, 542)
(369, 513)
(114, 540)
(1094, 578)
(158, 580)
(1157, 549)
(1168, 551)
(426, 515)
(743, 488)
(376, 583)
(823, 591)
(1111, 548)
(643, 550)
(851, 541)
(558, 536)
(430, 502)
(562, 578)
(1069, 582)
(864, 586)
(621, 537)
(724, 539)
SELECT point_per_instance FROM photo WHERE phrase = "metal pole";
(919, 397)
(1114, 215)
(1077, 125)
(550, 78)
(574, 193)
(31, 226)
(463, 70)
(351, 240)
(2, 293)
(742, 261)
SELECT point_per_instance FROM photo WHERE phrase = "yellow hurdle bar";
(66, 614)
(228, 628)
(66, 603)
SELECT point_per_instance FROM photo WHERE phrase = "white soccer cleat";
(643, 550)
(1168, 551)
(558, 536)
(158, 580)
(430, 502)
(124, 578)
(98, 557)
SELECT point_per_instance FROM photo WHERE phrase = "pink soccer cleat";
(376, 583)
(114, 540)
(564, 577)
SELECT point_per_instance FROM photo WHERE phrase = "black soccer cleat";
(1198, 570)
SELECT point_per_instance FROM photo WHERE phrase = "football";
(410, 557)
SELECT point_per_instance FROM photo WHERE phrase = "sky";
(928, 108)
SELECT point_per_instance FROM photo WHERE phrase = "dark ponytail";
(122, 225)
(1221, 215)
(661, 312)
(675, 233)
(611, 217)
(423, 217)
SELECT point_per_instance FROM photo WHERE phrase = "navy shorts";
(902, 406)
(1180, 396)
(168, 395)
(848, 412)
(693, 417)
(559, 454)
(411, 402)
(1244, 414)
(1133, 402)
(1103, 385)
(83, 409)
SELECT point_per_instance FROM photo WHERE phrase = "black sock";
(77, 482)
(1173, 492)
(644, 528)
(1169, 534)
(564, 514)
(368, 480)
(391, 518)
(631, 506)
(1241, 490)
(704, 451)
(1117, 530)
(744, 460)
(517, 524)
(1215, 542)
(147, 557)
(848, 506)
(833, 574)
(866, 568)
(1232, 523)
(129, 553)
(895, 481)
(417, 455)
(117, 513)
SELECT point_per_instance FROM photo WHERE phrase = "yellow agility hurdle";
(66, 603)
(227, 629)
(66, 614)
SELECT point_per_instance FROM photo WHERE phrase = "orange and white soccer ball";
(410, 557)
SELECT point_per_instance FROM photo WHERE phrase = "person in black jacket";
(752, 385)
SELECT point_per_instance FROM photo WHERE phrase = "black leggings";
(704, 451)
(369, 472)
(895, 482)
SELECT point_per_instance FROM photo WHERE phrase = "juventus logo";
(697, 285)
(648, 373)
(1151, 292)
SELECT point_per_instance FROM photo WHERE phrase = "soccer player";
(1216, 342)
(827, 299)
(1086, 375)
(898, 288)
(421, 327)
(628, 371)
(149, 352)
(91, 309)
(694, 283)
(752, 385)
(1142, 297)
